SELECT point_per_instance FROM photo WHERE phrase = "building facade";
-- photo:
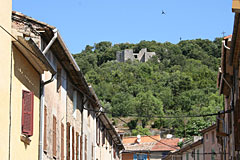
(51, 111)
(5, 60)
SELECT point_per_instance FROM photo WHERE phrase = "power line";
(167, 117)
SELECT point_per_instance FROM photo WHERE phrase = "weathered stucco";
(5, 61)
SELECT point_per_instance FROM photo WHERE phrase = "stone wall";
(128, 54)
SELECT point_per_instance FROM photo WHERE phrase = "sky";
(85, 22)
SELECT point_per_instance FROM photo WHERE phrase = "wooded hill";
(179, 80)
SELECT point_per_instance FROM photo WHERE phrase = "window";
(54, 137)
(187, 156)
(103, 136)
(45, 130)
(97, 131)
(27, 113)
(80, 101)
(77, 146)
(86, 144)
(62, 141)
(164, 154)
(206, 136)
(198, 158)
(81, 147)
(140, 157)
(74, 103)
(68, 141)
(213, 137)
(73, 143)
(213, 155)
(59, 79)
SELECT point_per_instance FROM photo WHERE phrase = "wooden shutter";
(237, 125)
(45, 129)
(62, 141)
(27, 113)
(68, 141)
(54, 136)
(77, 149)
(86, 144)
(73, 143)
(81, 147)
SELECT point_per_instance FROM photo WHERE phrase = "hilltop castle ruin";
(142, 56)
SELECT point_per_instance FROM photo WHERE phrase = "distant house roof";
(150, 144)
(214, 126)
(143, 139)
(229, 36)
(172, 143)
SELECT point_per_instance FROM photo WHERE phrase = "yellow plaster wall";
(5, 58)
(25, 77)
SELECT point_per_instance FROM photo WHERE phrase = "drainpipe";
(55, 31)
(42, 97)
(225, 46)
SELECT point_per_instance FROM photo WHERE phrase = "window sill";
(25, 139)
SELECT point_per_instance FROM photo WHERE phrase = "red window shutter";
(62, 141)
(77, 149)
(45, 129)
(81, 147)
(72, 143)
(68, 141)
(54, 136)
(27, 113)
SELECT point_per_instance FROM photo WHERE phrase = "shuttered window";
(81, 147)
(73, 143)
(62, 141)
(45, 129)
(68, 141)
(77, 150)
(54, 136)
(86, 144)
(97, 131)
(103, 136)
(27, 113)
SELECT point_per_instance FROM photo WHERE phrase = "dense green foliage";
(179, 80)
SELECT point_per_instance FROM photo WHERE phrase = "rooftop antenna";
(223, 33)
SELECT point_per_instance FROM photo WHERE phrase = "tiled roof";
(143, 139)
(150, 144)
(230, 36)
(171, 145)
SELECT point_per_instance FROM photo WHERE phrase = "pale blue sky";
(83, 22)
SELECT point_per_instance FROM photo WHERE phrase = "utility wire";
(167, 117)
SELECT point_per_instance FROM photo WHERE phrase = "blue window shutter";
(134, 157)
(145, 157)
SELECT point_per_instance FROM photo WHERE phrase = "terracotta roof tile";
(172, 145)
(147, 143)
(143, 139)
